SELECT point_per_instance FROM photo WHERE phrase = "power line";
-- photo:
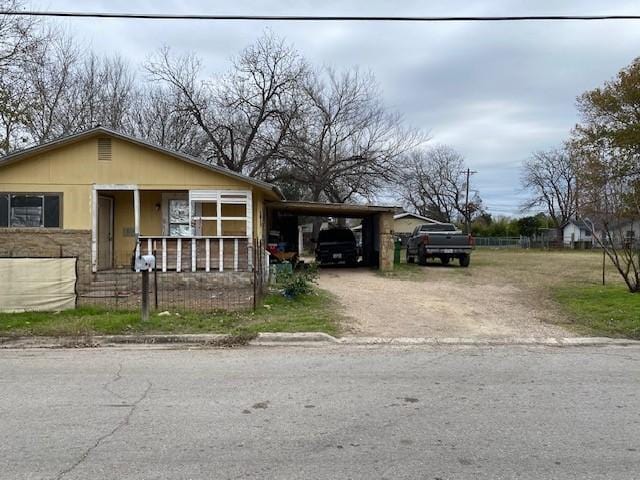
(319, 18)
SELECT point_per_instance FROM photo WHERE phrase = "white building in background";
(576, 232)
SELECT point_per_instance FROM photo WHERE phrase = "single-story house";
(576, 233)
(90, 195)
(622, 233)
(404, 224)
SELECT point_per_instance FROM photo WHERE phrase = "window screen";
(179, 218)
(24, 210)
(52, 211)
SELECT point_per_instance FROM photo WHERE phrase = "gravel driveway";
(444, 302)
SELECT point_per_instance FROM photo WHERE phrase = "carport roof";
(330, 209)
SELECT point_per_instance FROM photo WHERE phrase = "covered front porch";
(187, 230)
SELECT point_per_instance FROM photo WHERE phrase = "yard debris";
(164, 314)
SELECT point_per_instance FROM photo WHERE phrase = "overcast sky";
(493, 91)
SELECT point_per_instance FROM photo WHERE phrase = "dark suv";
(336, 245)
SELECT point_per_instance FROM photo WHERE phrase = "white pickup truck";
(443, 241)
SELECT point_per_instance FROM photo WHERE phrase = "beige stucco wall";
(73, 170)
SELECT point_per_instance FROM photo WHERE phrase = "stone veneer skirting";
(49, 243)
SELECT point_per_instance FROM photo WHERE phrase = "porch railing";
(190, 254)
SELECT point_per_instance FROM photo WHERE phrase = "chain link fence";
(503, 242)
(173, 291)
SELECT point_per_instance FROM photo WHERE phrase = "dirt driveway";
(440, 302)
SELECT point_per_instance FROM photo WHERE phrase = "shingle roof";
(68, 139)
(415, 215)
(581, 224)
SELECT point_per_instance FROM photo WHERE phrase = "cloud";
(495, 92)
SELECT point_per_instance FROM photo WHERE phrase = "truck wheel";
(465, 260)
(445, 260)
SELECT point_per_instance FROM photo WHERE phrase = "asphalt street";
(321, 413)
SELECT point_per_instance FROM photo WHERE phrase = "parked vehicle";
(442, 241)
(336, 245)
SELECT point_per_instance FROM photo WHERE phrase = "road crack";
(123, 423)
(116, 378)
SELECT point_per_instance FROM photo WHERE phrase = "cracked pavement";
(330, 412)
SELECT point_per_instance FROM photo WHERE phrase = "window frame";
(42, 195)
(220, 198)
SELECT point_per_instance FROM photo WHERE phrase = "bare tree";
(72, 90)
(551, 180)
(433, 183)
(99, 92)
(155, 117)
(245, 114)
(611, 206)
(51, 76)
(20, 38)
(345, 143)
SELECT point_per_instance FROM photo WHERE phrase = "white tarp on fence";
(28, 284)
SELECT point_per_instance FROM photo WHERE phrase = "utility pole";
(469, 172)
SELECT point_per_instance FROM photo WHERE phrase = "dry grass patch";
(564, 284)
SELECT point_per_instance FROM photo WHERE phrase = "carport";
(377, 225)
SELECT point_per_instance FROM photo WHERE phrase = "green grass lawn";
(314, 312)
(605, 310)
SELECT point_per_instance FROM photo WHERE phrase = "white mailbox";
(145, 262)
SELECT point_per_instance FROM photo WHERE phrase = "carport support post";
(386, 241)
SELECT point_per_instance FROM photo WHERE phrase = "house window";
(30, 210)
(179, 217)
(219, 213)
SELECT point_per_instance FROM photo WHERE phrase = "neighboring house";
(403, 224)
(90, 195)
(576, 233)
(625, 233)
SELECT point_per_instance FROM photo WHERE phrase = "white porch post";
(136, 219)
(94, 229)
(249, 210)
(136, 211)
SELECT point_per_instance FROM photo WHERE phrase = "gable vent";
(104, 149)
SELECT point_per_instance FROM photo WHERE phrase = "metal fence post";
(145, 294)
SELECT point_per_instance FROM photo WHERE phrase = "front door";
(105, 233)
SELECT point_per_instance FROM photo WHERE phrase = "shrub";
(299, 282)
